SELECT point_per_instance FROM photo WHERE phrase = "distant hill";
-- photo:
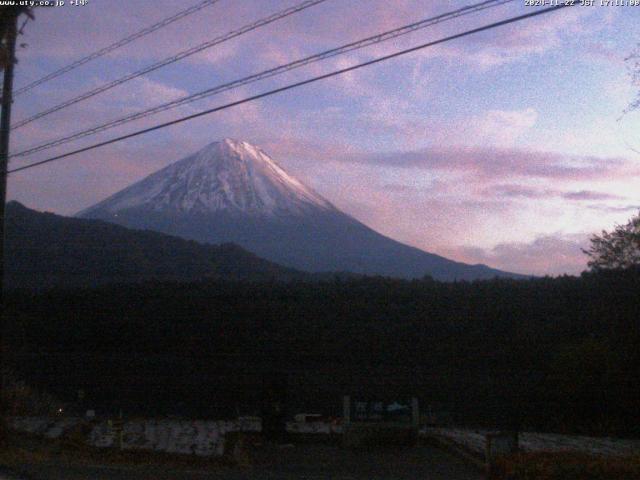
(46, 250)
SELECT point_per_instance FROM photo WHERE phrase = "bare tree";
(633, 64)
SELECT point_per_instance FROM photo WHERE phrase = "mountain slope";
(231, 191)
(46, 250)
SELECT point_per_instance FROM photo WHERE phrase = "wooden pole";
(5, 129)
(10, 27)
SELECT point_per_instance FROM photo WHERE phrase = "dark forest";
(559, 354)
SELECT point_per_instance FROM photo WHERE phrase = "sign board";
(380, 411)
(368, 410)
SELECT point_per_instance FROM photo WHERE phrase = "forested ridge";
(44, 250)
(550, 353)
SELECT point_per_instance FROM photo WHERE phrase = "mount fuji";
(231, 191)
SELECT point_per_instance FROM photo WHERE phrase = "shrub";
(18, 398)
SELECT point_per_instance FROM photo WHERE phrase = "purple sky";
(505, 148)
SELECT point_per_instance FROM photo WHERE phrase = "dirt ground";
(302, 462)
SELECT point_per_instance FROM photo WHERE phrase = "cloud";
(549, 254)
(605, 51)
(518, 191)
(614, 208)
(501, 163)
(521, 40)
(500, 127)
(533, 192)
(590, 195)
(151, 92)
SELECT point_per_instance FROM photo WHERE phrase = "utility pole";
(11, 27)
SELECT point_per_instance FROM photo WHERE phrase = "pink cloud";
(523, 39)
(500, 127)
(531, 192)
(518, 191)
(545, 255)
(590, 195)
(501, 163)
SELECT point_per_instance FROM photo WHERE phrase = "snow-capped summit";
(231, 191)
(230, 175)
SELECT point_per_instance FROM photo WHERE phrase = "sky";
(509, 147)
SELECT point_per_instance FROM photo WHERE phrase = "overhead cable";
(114, 46)
(388, 35)
(167, 61)
(296, 85)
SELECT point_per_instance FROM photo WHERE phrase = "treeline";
(549, 353)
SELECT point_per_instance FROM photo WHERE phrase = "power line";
(296, 85)
(175, 58)
(120, 43)
(268, 73)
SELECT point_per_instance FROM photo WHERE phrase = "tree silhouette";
(619, 249)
